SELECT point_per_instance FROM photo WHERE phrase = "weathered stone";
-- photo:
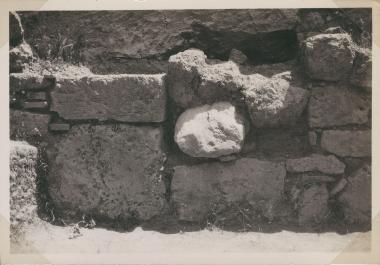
(313, 206)
(128, 98)
(16, 32)
(238, 57)
(193, 82)
(23, 199)
(315, 162)
(59, 127)
(197, 190)
(356, 197)
(311, 21)
(210, 131)
(273, 102)
(107, 170)
(328, 56)
(37, 96)
(336, 106)
(35, 105)
(347, 143)
(19, 56)
(362, 71)
(313, 137)
(338, 187)
(29, 81)
(158, 32)
(334, 30)
(27, 126)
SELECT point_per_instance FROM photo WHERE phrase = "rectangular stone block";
(337, 106)
(29, 81)
(41, 96)
(347, 143)
(59, 127)
(202, 189)
(108, 171)
(26, 125)
(37, 105)
(127, 98)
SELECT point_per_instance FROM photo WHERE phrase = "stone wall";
(244, 120)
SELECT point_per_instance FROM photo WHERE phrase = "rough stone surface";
(112, 35)
(315, 162)
(356, 197)
(347, 143)
(128, 98)
(336, 106)
(238, 57)
(19, 56)
(200, 189)
(29, 81)
(16, 32)
(27, 126)
(110, 171)
(306, 179)
(313, 137)
(362, 71)
(23, 202)
(210, 131)
(313, 205)
(192, 81)
(328, 56)
(273, 102)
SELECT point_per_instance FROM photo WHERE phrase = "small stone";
(202, 189)
(238, 57)
(227, 158)
(328, 56)
(38, 105)
(59, 127)
(313, 206)
(347, 143)
(306, 179)
(355, 199)
(338, 187)
(336, 106)
(315, 162)
(210, 131)
(273, 102)
(41, 96)
(313, 138)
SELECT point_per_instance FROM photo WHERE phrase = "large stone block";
(127, 98)
(28, 126)
(336, 106)
(210, 130)
(23, 191)
(328, 56)
(111, 171)
(347, 143)
(362, 70)
(315, 162)
(201, 189)
(29, 81)
(356, 197)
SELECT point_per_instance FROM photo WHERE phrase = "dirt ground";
(47, 238)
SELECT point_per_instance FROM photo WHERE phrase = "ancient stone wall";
(239, 119)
